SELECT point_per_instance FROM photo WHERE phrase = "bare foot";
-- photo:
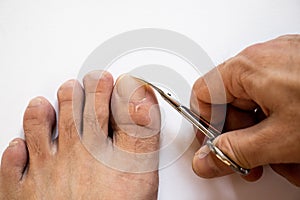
(93, 166)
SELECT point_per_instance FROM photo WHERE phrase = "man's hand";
(262, 126)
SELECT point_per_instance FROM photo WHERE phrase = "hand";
(262, 126)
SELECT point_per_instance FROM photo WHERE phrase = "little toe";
(14, 161)
(38, 122)
(70, 101)
(136, 117)
(98, 87)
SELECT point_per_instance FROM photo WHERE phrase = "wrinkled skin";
(68, 167)
(264, 76)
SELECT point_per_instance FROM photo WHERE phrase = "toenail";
(128, 87)
(70, 83)
(96, 75)
(13, 143)
(35, 102)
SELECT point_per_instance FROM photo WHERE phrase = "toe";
(38, 121)
(14, 161)
(136, 117)
(98, 87)
(70, 100)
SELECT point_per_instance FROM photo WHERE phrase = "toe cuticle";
(128, 87)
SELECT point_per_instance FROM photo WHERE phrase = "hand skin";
(265, 77)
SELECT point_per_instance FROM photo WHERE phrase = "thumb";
(261, 144)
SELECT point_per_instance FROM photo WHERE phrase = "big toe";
(136, 123)
(136, 117)
(13, 162)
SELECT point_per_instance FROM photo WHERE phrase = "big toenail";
(13, 143)
(35, 102)
(129, 87)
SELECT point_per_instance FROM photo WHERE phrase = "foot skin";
(77, 164)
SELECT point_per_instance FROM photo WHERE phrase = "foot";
(106, 146)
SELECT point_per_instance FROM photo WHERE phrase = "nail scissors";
(202, 125)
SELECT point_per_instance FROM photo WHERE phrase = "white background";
(44, 43)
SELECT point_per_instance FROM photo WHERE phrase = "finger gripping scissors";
(202, 125)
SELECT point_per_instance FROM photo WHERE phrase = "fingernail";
(128, 87)
(35, 102)
(202, 152)
(13, 143)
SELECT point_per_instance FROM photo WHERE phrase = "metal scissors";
(202, 125)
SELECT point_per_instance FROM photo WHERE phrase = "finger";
(240, 113)
(237, 118)
(212, 167)
(221, 85)
(250, 148)
(211, 96)
(230, 82)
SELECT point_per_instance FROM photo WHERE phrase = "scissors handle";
(211, 132)
(225, 159)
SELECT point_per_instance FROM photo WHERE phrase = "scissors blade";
(200, 123)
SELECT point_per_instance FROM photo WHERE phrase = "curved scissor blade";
(201, 124)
